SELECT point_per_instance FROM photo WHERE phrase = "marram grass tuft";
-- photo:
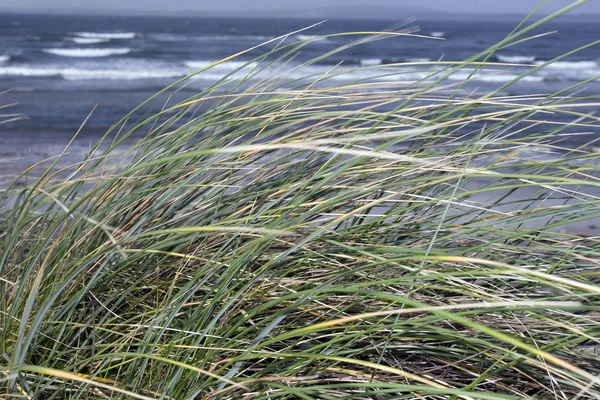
(285, 237)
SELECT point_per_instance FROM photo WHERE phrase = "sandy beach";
(28, 151)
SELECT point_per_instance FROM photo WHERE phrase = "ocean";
(56, 69)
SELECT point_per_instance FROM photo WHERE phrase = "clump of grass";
(292, 238)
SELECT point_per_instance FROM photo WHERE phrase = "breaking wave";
(109, 35)
(175, 37)
(81, 40)
(494, 77)
(418, 59)
(226, 66)
(313, 38)
(370, 61)
(571, 64)
(123, 69)
(87, 52)
(515, 59)
(89, 74)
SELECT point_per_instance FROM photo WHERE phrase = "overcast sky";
(199, 6)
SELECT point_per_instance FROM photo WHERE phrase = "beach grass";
(284, 237)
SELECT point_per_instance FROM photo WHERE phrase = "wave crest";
(73, 74)
(107, 35)
(226, 66)
(80, 40)
(515, 59)
(313, 38)
(87, 52)
(176, 37)
(370, 62)
(571, 64)
(418, 59)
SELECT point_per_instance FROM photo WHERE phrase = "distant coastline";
(365, 13)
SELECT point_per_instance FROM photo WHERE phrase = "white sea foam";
(4, 59)
(226, 66)
(571, 64)
(509, 77)
(231, 67)
(126, 69)
(83, 74)
(81, 40)
(418, 59)
(493, 77)
(325, 72)
(370, 61)
(89, 74)
(220, 70)
(565, 74)
(515, 59)
(175, 37)
(139, 72)
(570, 70)
(197, 64)
(169, 37)
(87, 52)
(251, 38)
(344, 74)
(313, 38)
(27, 71)
(109, 35)
(438, 34)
